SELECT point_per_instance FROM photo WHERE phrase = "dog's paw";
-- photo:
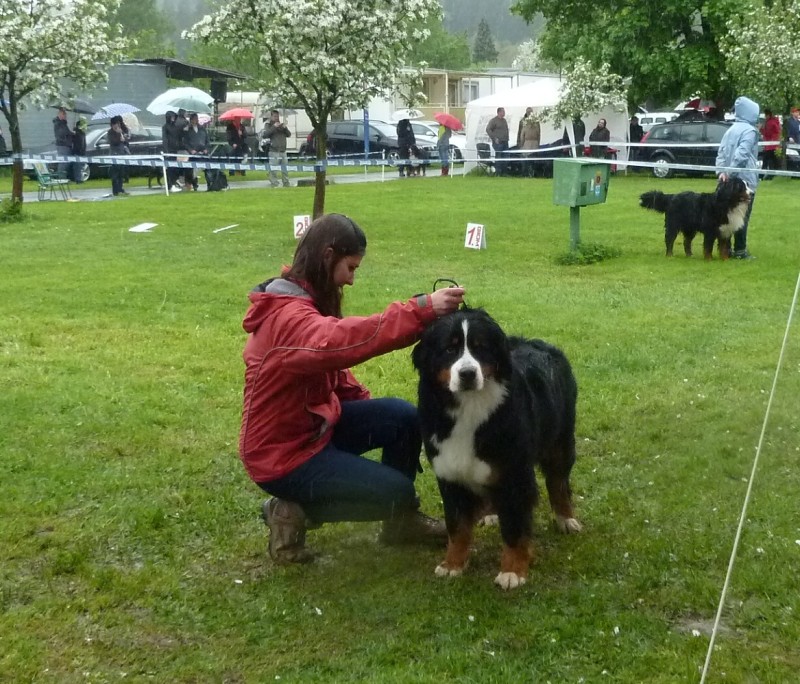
(444, 570)
(568, 525)
(490, 520)
(509, 580)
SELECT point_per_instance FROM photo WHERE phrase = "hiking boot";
(413, 528)
(741, 254)
(287, 531)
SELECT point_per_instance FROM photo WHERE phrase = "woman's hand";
(447, 299)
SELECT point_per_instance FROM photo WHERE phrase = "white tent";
(541, 93)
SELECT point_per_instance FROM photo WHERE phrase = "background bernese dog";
(717, 215)
(491, 408)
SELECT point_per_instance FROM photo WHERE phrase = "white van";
(650, 119)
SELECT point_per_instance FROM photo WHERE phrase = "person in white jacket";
(737, 157)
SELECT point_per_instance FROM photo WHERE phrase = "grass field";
(130, 543)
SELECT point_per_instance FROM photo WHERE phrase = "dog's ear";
(421, 353)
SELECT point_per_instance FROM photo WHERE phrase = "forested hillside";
(465, 15)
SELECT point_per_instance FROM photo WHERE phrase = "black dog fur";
(491, 408)
(717, 215)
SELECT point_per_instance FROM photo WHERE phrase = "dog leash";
(451, 283)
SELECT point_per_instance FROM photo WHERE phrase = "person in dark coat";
(79, 147)
(63, 136)
(635, 135)
(236, 134)
(405, 139)
(600, 134)
(171, 143)
(116, 147)
(195, 141)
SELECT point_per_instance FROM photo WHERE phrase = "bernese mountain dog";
(491, 408)
(717, 215)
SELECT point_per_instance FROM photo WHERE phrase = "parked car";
(347, 138)
(145, 141)
(683, 142)
(650, 119)
(427, 135)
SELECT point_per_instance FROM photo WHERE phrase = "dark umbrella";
(78, 105)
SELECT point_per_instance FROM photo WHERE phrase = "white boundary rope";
(749, 490)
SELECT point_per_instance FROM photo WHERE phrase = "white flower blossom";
(42, 44)
(588, 88)
(324, 55)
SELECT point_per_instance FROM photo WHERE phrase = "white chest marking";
(457, 460)
(735, 220)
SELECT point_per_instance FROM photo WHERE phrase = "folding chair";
(56, 183)
(485, 160)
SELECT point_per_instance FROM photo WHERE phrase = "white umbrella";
(186, 97)
(401, 114)
(114, 109)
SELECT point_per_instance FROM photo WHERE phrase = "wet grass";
(129, 533)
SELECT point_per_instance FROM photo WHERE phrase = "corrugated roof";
(186, 71)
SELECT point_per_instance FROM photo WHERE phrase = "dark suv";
(683, 142)
(347, 138)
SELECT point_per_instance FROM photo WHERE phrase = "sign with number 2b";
(476, 236)
(301, 224)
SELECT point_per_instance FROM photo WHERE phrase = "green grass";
(129, 534)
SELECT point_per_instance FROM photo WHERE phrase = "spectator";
(277, 133)
(307, 421)
(771, 132)
(635, 135)
(79, 147)
(600, 134)
(405, 140)
(793, 127)
(116, 147)
(443, 147)
(195, 140)
(737, 157)
(497, 130)
(63, 136)
(529, 133)
(171, 143)
(236, 134)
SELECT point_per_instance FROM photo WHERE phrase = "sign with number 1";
(301, 224)
(476, 236)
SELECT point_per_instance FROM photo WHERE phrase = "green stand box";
(577, 183)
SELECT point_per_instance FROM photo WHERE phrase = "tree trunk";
(16, 148)
(321, 176)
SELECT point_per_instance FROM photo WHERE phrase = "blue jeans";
(340, 484)
(444, 155)
(740, 236)
(499, 166)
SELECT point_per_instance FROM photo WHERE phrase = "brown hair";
(312, 265)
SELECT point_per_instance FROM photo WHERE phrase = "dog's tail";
(655, 200)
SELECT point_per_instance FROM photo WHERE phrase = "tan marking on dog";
(457, 555)
(514, 564)
(558, 491)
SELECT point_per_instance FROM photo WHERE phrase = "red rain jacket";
(297, 373)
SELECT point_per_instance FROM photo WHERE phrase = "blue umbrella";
(114, 109)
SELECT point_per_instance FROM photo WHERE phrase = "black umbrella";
(78, 105)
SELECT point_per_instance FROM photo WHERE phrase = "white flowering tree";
(323, 55)
(587, 88)
(43, 42)
(762, 56)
